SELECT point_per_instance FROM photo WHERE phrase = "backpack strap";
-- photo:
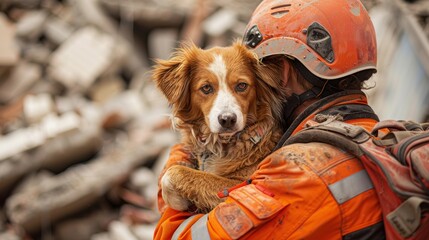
(328, 129)
(351, 111)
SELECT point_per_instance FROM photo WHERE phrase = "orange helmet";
(331, 38)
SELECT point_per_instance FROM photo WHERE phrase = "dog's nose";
(227, 120)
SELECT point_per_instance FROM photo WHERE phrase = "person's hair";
(355, 81)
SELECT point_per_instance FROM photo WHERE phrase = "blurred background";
(84, 132)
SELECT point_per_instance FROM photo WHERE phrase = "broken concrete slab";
(121, 231)
(243, 8)
(31, 25)
(144, 232)
(144, 182)
(85, 224)
(36, 53)
(76, 188)
(36, 107)
(32, 137)
(54, 144)
(107, 88)
(21, 78)
(82, 58)
(114, 113)
(9, 51)
(57, 30)
(153, 14)
(162, 42)
(220, 22)
(93, 14)
(142, 178)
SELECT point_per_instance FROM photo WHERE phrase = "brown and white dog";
(226, 105)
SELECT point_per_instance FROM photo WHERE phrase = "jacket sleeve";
(178, 156)
(283, 194)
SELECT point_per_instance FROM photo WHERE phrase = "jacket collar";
(336, 99)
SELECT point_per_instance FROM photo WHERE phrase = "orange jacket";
(301, 191)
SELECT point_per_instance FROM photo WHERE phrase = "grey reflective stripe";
(351, 186)
(182, 226)
(199, 229)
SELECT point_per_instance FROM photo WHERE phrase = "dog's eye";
(241, 87)
(207, 89)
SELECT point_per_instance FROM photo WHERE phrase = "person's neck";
(294, 84)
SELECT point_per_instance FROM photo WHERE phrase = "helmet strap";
(320, 89)
(296, 100)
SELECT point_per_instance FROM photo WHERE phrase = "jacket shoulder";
(318, 157)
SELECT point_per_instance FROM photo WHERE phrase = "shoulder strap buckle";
(335, 124)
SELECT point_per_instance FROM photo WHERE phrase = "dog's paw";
(170, 194)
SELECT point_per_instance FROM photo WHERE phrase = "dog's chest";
(224, 162)
(209, 162)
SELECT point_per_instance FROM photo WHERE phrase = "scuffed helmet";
(330, 38)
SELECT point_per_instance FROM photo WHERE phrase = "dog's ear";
(171, 76)
(269, 74)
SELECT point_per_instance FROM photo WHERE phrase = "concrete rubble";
(9, 52)
(81, 123)
(84, 133)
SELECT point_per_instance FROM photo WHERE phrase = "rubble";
(9, 52)
(54, 144)
(74, 189)
(57, 31)
(11, 113)
(84, 131)
(121, 231)
(37, 106)
(106, 89)
(82, 58)
(21, 78)
(218, 23)
(36, 53)
(31, 25)
(86, 224)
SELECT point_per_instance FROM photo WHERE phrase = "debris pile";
(84, 132)
(420, 9)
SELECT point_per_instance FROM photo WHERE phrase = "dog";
(227, 106)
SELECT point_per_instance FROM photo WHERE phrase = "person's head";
(326, 45)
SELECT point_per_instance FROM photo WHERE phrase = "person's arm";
(178, 156)
(282, 196)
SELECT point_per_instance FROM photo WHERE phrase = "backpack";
(396, 156)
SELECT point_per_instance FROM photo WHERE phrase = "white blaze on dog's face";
(225, 114)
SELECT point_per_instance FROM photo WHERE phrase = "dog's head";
(223, 89)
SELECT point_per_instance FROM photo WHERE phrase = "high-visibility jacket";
(300, 191)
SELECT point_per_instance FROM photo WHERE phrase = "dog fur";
(205, 87)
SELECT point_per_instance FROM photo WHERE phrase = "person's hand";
(178, 156)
